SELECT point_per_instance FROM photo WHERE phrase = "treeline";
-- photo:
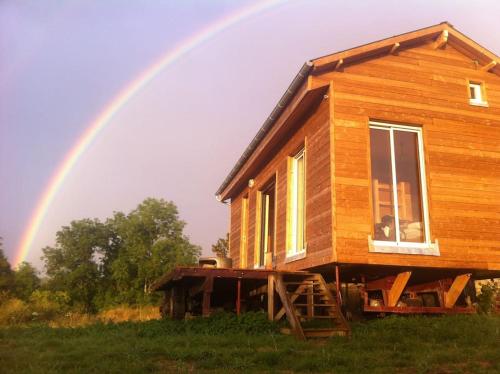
(94, 265)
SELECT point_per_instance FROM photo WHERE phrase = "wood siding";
(420, 86)
(424, 87)
(314, 133)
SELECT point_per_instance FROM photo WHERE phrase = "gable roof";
(440, 34)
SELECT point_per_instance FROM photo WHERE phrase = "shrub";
(487, 298)
(14, 311)
(47, 305)
(124, 313)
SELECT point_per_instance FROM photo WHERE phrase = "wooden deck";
(298, 296)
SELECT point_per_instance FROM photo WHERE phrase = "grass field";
(454, 344)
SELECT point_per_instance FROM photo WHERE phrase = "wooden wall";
(314, 132)
(428, 88)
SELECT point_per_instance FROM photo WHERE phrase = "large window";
(296, 222)
(398, 186)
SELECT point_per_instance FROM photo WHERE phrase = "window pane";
(383, 198)
(472, 92)
(410, 209)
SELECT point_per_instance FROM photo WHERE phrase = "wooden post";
(238, 297)
(337, 285)
(310, 300)
(207, 295)
(270, 297)
(178, 302)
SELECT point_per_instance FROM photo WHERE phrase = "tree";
(6, 273)
(151, 243)
(221, 248)
(73, 265)
(26, 280)
(100, 264)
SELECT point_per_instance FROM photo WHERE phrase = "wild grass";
(250, 344)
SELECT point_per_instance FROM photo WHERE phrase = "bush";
(487, 298)
(46, 305)
(124, 313)
(14, 311)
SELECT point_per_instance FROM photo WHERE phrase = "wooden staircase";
(310, 307)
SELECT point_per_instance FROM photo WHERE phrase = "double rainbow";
(118, 102)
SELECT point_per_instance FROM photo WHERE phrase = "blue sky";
(61, 62)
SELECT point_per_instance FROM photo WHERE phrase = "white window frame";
(293, 252)
(398, 246)
(478, 89)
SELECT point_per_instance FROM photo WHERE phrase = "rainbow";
(118, 102)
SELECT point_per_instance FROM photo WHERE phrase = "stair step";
(325, 305)
(303, 283)
(318, 317)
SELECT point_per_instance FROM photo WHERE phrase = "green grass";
(454, 344)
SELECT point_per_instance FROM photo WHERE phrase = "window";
(477, 94)
(400, 217)
(296, 222)
(266, 216)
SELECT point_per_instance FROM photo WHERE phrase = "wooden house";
(380, 165)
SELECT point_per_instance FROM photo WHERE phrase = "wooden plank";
(458, 285)
(398, 287)
(299, 291)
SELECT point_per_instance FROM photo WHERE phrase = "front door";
(267, 222)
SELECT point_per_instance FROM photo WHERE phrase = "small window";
(476, 94)
(296, 227)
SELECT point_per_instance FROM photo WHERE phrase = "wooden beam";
(458, 285)
(382, 45)
(397, 288)
(489, 66)
(394, 48)
(339, 64)
(270, 297)
(441, 40)
(294, 297)
(290, 312)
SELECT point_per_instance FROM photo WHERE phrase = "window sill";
(425, 249)
(479, 103)
(298, 256)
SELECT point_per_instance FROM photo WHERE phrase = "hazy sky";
(61, 62)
